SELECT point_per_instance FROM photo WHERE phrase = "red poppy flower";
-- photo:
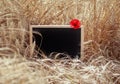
(75, 23)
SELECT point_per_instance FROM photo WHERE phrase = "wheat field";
(100, 63)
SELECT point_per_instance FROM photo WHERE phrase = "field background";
(101, 23)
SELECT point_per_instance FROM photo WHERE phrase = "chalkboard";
(57, 38)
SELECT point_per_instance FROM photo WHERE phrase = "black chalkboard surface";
(57, 38)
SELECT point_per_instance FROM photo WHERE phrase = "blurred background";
(100, 20)
(100, 63)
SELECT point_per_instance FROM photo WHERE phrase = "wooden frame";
(58, 26)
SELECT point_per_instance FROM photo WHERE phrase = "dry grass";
(101, 20)
(45, 71)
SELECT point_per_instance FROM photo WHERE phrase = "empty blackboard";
(57, 38)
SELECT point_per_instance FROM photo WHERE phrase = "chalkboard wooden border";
(57, 26)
